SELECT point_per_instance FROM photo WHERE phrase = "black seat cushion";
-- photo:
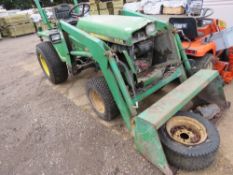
(72, 21)
(62, 11)
(187, 24)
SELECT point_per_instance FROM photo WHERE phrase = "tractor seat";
(62, 12)
(187, 24)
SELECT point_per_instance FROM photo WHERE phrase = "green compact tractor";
(136, 57)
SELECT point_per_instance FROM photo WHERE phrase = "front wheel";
(101, 98)
(205, 62)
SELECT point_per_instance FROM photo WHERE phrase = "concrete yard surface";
(52, 130)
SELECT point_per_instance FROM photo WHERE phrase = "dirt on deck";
(52, 130)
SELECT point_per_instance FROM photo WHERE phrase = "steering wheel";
(205, 13)
(84, 8)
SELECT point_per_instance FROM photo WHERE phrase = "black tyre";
(206, 62)
(54, 69)
(186, 145)
(101, 98)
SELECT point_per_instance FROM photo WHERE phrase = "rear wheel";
(54, 69)
(101, 98)
(190, 141)
(205, 62)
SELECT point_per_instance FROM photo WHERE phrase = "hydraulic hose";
(129, 76)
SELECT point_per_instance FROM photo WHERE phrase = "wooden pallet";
(14, 19)
(173, 10)
(106, 8)
(19, 29)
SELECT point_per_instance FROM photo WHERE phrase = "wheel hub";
(97, 101)
(44, 65)
(186, 130)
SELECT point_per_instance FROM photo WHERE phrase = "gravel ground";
(44, 132)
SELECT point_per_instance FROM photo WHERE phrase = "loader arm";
(43, 14)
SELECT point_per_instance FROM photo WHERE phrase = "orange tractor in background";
(207, 42)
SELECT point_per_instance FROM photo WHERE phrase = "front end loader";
(136, 56)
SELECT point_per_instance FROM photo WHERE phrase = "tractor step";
(176, 99)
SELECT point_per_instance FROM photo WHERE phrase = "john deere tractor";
(136, 57)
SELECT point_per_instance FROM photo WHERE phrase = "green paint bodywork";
(81, 53)
(158, 86)
(43, 14)
(116, 28)
(129, 61)
(160, 25)
(88, 40)
(147, 142)
(76, 3)
(60, 47)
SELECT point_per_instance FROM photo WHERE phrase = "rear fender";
(60, 47)
(199, 49)
(63, 52)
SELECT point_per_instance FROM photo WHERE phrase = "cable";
(186, 38)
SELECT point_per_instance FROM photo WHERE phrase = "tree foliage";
(26, 4)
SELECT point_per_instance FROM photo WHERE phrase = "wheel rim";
(97, 101)
(44, 65)
(186, 130)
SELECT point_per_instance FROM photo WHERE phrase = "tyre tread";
(198, 157)
(58, 69)
(100, 85)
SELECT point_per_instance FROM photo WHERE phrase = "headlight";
(55, 37)
(150, 29)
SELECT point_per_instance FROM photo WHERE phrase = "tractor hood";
(114, 28)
